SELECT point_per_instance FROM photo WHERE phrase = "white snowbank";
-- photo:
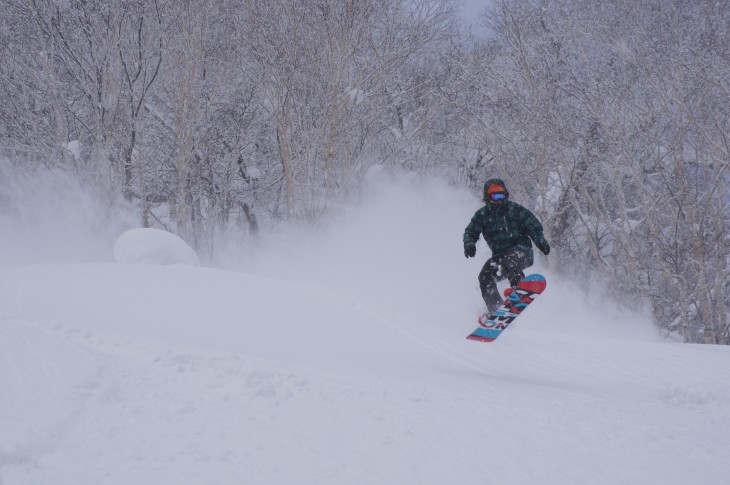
(213, 376)
(340, 357)
(153, 246)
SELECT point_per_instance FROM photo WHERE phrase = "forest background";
(218, 119)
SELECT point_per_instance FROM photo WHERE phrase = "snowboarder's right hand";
(544, 247)
(470, 250)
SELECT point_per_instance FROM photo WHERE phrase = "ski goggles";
(497, 196)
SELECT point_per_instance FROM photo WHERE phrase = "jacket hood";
(490, 182)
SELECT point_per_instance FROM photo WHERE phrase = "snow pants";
(506, 266)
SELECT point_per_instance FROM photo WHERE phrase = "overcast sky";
(471, 9)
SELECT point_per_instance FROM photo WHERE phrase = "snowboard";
(516, 301)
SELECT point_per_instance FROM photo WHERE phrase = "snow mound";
(153, 246)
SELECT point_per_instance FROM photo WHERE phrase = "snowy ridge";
(341, 357)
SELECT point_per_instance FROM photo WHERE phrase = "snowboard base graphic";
(515, 303)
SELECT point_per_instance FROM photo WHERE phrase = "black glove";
(543, 246)
(470, 250)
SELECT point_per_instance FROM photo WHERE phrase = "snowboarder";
(507, 228)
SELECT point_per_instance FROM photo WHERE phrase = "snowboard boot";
(492, 307)
(484, 317)
(513, 284)
(515, 280)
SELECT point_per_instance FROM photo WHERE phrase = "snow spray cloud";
(48, 216)
(399, 253)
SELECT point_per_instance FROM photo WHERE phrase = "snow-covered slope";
(340, 357)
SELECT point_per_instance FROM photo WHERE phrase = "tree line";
(609, 119)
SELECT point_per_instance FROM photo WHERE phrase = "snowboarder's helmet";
(494, 185)
(495, 191)
(495, 188)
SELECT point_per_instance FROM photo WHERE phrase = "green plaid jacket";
(504, 226)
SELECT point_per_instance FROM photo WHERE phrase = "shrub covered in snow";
(153, 246)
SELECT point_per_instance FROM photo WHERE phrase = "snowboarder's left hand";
(543, 246)
(470, 250)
